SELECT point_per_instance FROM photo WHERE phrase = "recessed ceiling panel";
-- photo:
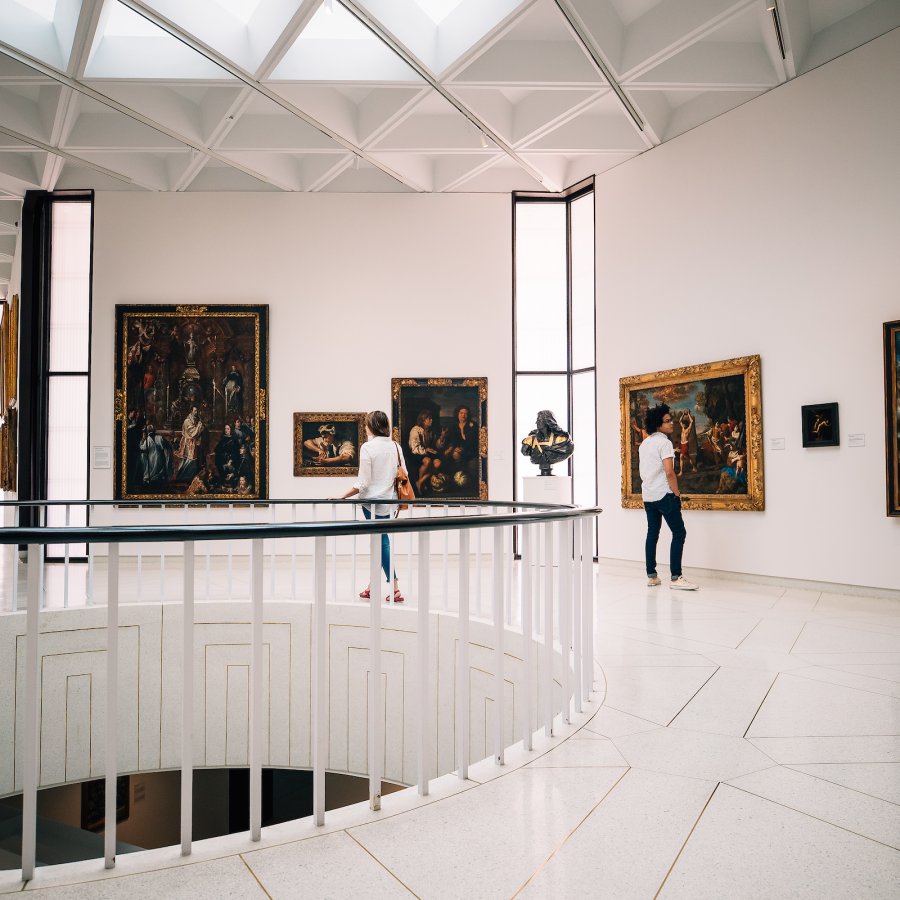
(604, 125)
(43, 29)
(433, 124)
(127, 45)
(30, 108)
(503, 177)
(532, 63)
(264, 125)
(365, 178)
(153, 171)
(290, 171)
(219, 176)
(97, 126)
(336, 46)
(243, 31)
(21, 170)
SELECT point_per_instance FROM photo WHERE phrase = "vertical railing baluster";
(230, 569)
(140, 563)
(587, 603)
(390, 560)
(576, 613)
(187, 700)
(409, 546)
(66, 565)
(564, 579)
(445, 510)
(376, 721)
(527, 640)
(478, 599)
(272, 558)
(424, 717)
(256, 687)
(293, 555)
(30, 749)
(334, 541)
(162, 572)
(15, 565)
(509, 557)
(462, 672)
(320, 680)
(548, 629)
(112, 705)
(90, 573)
(353, 557)
(498, 646)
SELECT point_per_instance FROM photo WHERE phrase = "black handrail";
(105, 534)
(238, 500)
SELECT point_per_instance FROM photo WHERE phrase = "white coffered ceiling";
(380, 95)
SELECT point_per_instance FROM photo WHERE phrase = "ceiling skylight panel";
(46, 9)
(334, 23)
(242, 10)
(124, 22)
(438, 10)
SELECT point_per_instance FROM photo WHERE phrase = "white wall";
(770, 230)
(342, 275)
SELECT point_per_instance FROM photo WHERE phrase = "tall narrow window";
(69, 363)
(554, 335)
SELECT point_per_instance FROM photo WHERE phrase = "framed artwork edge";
(480, 382)
(805, 409)
(301, 471)
(891, 423)
(751, 366)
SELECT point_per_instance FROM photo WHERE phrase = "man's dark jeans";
(669, 508)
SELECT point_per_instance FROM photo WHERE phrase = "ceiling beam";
(422, 71)
(239, 73)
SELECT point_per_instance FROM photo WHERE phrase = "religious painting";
(717, 411)
(9, 363)
(441, 424)
(191, 402)
(892, 414)
(328, 443)
(819, 425)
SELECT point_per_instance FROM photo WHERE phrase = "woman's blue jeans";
(669, 508)
(385, 546)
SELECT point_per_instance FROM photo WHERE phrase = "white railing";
(546, 595)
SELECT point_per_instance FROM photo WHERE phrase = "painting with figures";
(441, 424)
(191, 386)
(717, 411)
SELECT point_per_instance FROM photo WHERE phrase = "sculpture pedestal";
(547, 489)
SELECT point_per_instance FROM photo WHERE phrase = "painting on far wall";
(191, 402)
(328, 443)
(892, 414)
(441, 424)
(717, 410)
(820, 425)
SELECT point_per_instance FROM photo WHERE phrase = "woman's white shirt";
(377, 471)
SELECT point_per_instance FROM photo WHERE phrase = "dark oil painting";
(820, 426)
(717, 439)
(328, 443)
(441, 424)
(191, 400)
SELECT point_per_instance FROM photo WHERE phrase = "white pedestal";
(547, 489)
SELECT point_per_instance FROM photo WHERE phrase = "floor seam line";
(761, 703)
(792, 767)
(691, 698)
(559, 847)
(254, 875)
(811, 816)
(685, 842)
(796, 674)
(380, 863)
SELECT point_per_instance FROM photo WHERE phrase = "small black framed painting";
(820, 425)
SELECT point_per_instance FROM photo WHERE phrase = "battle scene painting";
(191, 386)
(441, 424)
(892, 414)
(717, 411)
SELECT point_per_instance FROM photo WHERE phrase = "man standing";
(662, 499)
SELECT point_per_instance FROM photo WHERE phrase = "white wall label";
(776, 443)
(856, 440)
(102, 457)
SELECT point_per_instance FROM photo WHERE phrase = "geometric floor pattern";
(744, 741)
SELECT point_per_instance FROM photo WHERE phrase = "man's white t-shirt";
(653, 450)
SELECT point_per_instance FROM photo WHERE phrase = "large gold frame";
(749, 367)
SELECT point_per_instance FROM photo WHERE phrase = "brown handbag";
(402, 484)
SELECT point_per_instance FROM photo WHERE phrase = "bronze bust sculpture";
(548, 443)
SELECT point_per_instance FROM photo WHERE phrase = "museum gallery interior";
(233, 230)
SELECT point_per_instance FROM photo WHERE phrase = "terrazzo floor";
(742, 742)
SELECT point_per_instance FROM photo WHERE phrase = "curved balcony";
(233, 641)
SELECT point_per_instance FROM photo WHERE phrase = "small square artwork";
(820, 425)
(328, 443)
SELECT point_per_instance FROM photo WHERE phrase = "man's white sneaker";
(653, 581)
(682, 584)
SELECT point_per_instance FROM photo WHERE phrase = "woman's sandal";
(398, 597)
(365, 594)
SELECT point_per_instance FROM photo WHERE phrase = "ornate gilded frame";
(237, 333)
(475, 393)
(748, 367)
(892, 415)
(9, 392)
(303, 467)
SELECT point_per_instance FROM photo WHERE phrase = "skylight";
(124, 22)
(242, 10)
(46, 9)
(438, 10)
(336, 24)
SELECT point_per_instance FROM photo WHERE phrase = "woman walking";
(379, 458)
